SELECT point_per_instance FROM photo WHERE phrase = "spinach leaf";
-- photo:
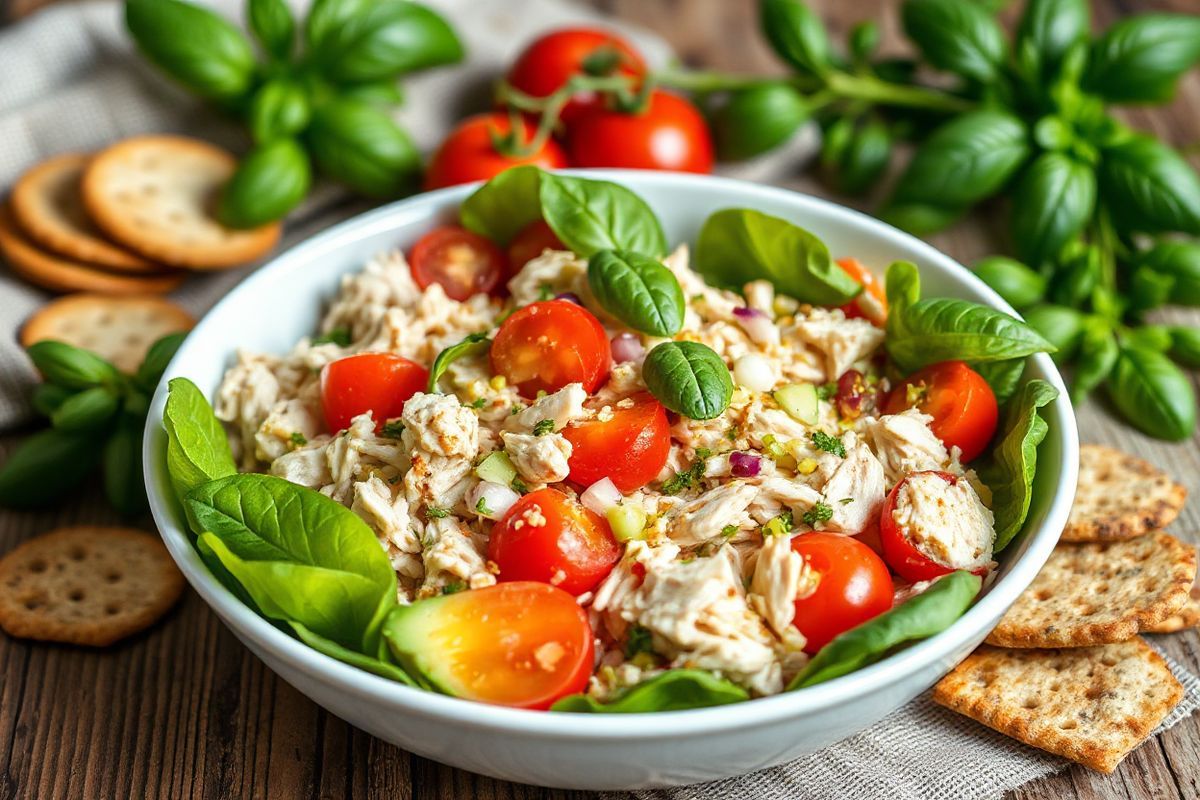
(1140, 59)
(737, 245)
(963, 38)
(45, 465)
(796, 34)
(504, 205)
(590, 215)
(1153, 394)
(473, 344)
(673, 690)
(1149, 187)
(688, 378)
(1003, 376)
(928, 613)
(1010, 470)
(638, 290)
(1047, 30)
(197, 450)
(380, 40)
(377, 666)
(1053, 200)
(944, 329)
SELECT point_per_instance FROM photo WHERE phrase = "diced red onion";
(601, 496)
(627, 347)
(570, 297)
(497, 499)
(757, 325)
(744, 465)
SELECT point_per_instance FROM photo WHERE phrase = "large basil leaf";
(45, 465)
(737, 245)
(758, 119)
(1153, 394)
(673, 690)
(1054, 199)
(327, 16)
(688, 378)
(86, 410)
(472, 344)
(1140, 59)
(963, 38)
(944, 329)
(376, 666)
(638, 290)
(1010, 470)
(590, 215)
(1060, 325)
(197, 449)
(928, 613)
(196, 47)
(504, 205)
(383, 39)
(1149, 187)
(269, 182)
(1002, 376)
(357, 143)
(71, 367)
(966, 160)
(1020, 286)
(273, 25)
(1048, 28)
(151, 370)
(796, 34)
(1181, 261)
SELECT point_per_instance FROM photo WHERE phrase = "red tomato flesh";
(530, 242)
(548, 537)
(871, 304)
(963, 406)
(630, 448)
(904, 557)
(467, 154)
(669, 134)
(460, 261)
(377, 382)
(546, 345)
(855, 586)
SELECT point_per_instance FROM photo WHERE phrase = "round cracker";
(60, 274)
(156, 195)
(119, 329)
(47, 206)
(86, 585)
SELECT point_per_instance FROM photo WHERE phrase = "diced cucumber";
(799, 400)
(628, 522)
(497, 468)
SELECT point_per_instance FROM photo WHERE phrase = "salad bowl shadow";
(283, 301)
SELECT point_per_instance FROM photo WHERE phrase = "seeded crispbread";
(86, 585)
(1092, 705)
(157, 194)
(119, 329)
(47, 207)
(1120, 497)
(1188, 616)
(1099, 593)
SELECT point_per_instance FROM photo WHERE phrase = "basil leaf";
(472, 344)
(929, 613)
(796, 34)
(376, 666)
(383, 39)
(1149, 187)
(326, 16)
(1180, 260)
(279, 109)
(1061, 326)
(1048, 29)
(589, 215)
(1013, 463)
(197, 449)
(1002, 376)
(1153, 394)
(358, 144)
(196, 47)
(269, 182)
(504, 205)
(71, 367)
(737, 245)
(123, 482)
(688, 378)
(637, 290)
(902, 283)
(1053, 200)
(944, 329)
(272, 23)
(956, 36)
(86, 410)
(1098, 351)
(1020, 286)
(757, 119)
(673, 690)
(47, 397)
(151, 370)
(966, 160)
(45, 466)
(1140, 59)
(920, 219)
(1185, 345)
(863, 159)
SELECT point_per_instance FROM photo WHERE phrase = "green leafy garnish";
(472, 344)
(673, 690)
(543, 427)
(820, 512)
(338, 336)
(830, 444)
(689, 379)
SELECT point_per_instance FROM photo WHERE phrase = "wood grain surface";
(184, 711)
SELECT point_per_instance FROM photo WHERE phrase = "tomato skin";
(463, 263)
(856, 396)
(550, 60)
(572, 549)
(669, 134)
(871, 305)
(630, 449)
(377, 382)
(904, 557)
(467, 153)
(964, 408)
(530, 242)
(548, 344)
(855, 586)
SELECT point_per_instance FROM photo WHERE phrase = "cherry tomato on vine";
(854, 586)
(377, 382)
(529, 243)
(468, 153)
(630, 448)
(460, 261)
(871, 304)
(670, 133)
(548, 344)
(963, 406)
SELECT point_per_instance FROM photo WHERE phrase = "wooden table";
(185, 711)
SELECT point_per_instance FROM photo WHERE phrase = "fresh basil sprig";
(1153, 393)
(472, 344)
(638, 290)
(673, 690)
(688, 378)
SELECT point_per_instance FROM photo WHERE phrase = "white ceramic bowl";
(281, 302)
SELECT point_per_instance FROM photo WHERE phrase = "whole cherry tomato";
(530, 242)
(546, 345)
(377, 382)
(963, 406)
(629, 447)
(469, 154)
(670, 133)
(901, 552)
(460, 261)
(871, 304)
(854, 586)
(548, 537)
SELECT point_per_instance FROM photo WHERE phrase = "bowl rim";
(261, 634)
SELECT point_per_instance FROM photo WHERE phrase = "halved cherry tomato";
(630, 448)
(529, 243)
(548, 344)
(549, 61)
(460, 261)
(901, 554)
(468, 153)
(669, 134)
(548, 537)
(377, 382)
(871, 304)
(854, 586)
(962, 405)
(856, 396)
(516, 644)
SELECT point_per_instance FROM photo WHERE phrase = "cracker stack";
(1065, 669)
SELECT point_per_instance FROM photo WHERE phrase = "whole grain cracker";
(86, 585)
(119, 329)
(47, 206)
(1092, 705)
(59, 274)
(1188, 616)
(157, 195)
(1120, 497)
(1099, 593)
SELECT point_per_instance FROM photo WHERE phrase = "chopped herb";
(688, 477)
(696, 298)
(818, 513)
(543, 427)
(830, 444)
(481, 508)
(393, 429)
(519, 485)
(778, 526)
(846, 501)
(516, 409)
(545, 292)
(826, 390)
(639, 640)
(299, 439)
(703, 452)
(729, 531)
(454, 587)
(338, 336)
(733, 433)
(437, 512)
(479, 402)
